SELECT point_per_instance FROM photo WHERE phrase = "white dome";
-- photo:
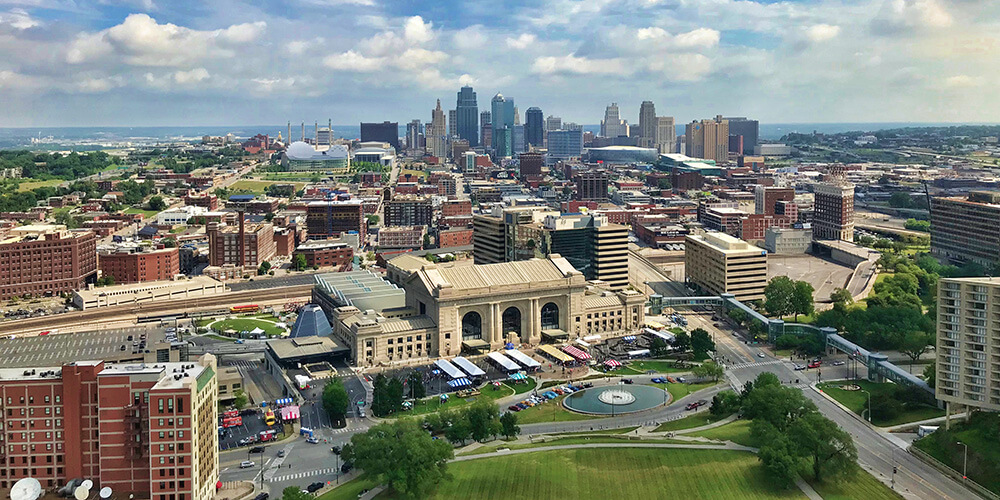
(299, 149)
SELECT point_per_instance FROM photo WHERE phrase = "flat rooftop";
(60, 349)
(172, 375)
(726, 244)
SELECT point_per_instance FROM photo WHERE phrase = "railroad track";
(133, 311)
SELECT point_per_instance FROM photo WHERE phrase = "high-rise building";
(531, 163)
(467, 114)
(965, 340)
(647, 125)
(613, 125)
(564, 144)
(719, 263)
(414, 131)
(224, 244)
(517, 140)
(452, 124)
(748, 129)
(503, 125)
(381, 132)
(329, 219)
(143, 430)
(488, 239)
(964, 229)
(592, 185)
(324, 135)
(833, 211)
(766, 198)
(437, 133)
(708, 139)
(534, 127)
(39, 259)
(666, 134)
(485, 122)
(408, 210)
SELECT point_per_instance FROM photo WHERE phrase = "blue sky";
(180, 62)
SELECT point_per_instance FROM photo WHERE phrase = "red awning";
(576, 353)
(612, 363)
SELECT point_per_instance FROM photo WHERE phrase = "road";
(643, 272)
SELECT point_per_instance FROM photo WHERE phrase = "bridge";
(879, 368)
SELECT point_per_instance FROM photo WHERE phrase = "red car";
(692, 406)
(815, 364)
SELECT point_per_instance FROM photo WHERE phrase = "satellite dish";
(87, 483)
(26, 489)
(81, 493)
(105, 492)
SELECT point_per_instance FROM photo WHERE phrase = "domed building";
(300, 156)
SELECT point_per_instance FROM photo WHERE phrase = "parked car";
(246, 464)
(281, 453)
(691, 406)
(514, 408)
(838, 363)
(262, 496)
(628, 381)
(798, 367)
(346, 467)
(815, 364)
(760, 354)
(313, 440)
(257, 449)
(335, 450)
(315, 486)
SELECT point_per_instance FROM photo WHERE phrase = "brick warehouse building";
(328, 219)
(127, 266)
(46, 259)
(144, 430)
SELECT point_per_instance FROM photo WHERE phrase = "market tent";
(449, 369)
(257, 331)
(290, 413)
(468, 367)
(283, 401)
(582, 342)
(522, 358)
(612, 363)
(666, 336)
(503, 361)
(638, 352)
(576, 353)
(518, 376)
(555, 354)
(592, 338)
(459, 382)
(629, 338)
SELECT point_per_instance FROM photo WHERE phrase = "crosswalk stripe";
(299, 475)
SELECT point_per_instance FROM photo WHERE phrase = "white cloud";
(193, 76)
(353, 61)
(417, 31)
(897, 15)
(10, 80)
(97, 85)
(822, 32)
(570, 64)
(470, 38)
(660, 39)
(18, 18)
(963, 81)
(523, 41)
(141, 41)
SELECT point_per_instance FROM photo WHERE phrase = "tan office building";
(968, 342)
(719, 263)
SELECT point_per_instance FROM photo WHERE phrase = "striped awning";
(576, 353)
(459, 382)
(611, 363)
(629, 338)
(518, 376)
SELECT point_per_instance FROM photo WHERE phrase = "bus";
(232, 421)
(230, 413)
(248, 308)
(269, 417)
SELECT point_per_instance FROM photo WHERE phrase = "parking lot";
(253, 424)
(825, 276)
(113, 345)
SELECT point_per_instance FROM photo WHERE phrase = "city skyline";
(151, 63)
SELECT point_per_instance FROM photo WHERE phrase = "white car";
(246, 464)
(760, 355)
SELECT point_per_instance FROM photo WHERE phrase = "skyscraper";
(612, 125)
(708, 139)
(564, 144)
(380, 132)
(551, 123)
(666, 134)
(486, 123)
(503, 125)
(534, 127)
(414, 129)
(647, 125)
(436, 133)
(517, 144)
(452, 124)
(833, 211)
(749, 129)
(466, 114)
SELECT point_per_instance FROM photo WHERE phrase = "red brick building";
(138, 265)
(142, 430)
(753, 227)
(765, 198)
(327, 219)
(401, 237)
(46, 260)
(284, 241)
(456, 207)
(454, 238)
(224, 244)
(208, 201)
(327, 254)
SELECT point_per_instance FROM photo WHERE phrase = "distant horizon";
(402, 124)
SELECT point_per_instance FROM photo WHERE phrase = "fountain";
(616, 400)
(616, 397)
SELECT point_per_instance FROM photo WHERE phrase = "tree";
(380, 404)
(240, 399)
(394, 394)
(701, 342)
(778, 296)
(802, 299)
(264, 268)
(779, 459)
(169, 242)
(682, 341)
(373, 220)
(508, 425)
(724, 403)
(459, 431)
(294, 493)
(841, 296)
(300, 262)
(827, 446)
(709, 369)
(427, 240)
(335, 399)
(930, 375)
(416, 384)
(401, 455)
(157, 203)
(900, 199)
(484, 419)
(914, 345)
(658, 347)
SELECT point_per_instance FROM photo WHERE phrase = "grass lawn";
(433, 404)
(146, 214)
(623, 430)
(659, 366)
(29, 184)
(258, 187)
(862, 485)
(697, 420)
(857, 401)
(551, 411)
(621, 372)
(349, 490)
(217, 337)
(984, 455)
(522, 386)
(248, 324)
(737, 431)
(680, 390)
(611, 473)
(493, 447)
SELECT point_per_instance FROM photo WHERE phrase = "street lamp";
(965, 462)
(869, 404)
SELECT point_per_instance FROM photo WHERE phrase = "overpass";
(879, 368)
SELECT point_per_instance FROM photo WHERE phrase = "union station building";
(425, 310)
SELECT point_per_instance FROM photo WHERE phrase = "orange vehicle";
(269, 418)
(232, 422)
(248, 308)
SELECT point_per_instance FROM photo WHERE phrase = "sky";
(228, 62)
